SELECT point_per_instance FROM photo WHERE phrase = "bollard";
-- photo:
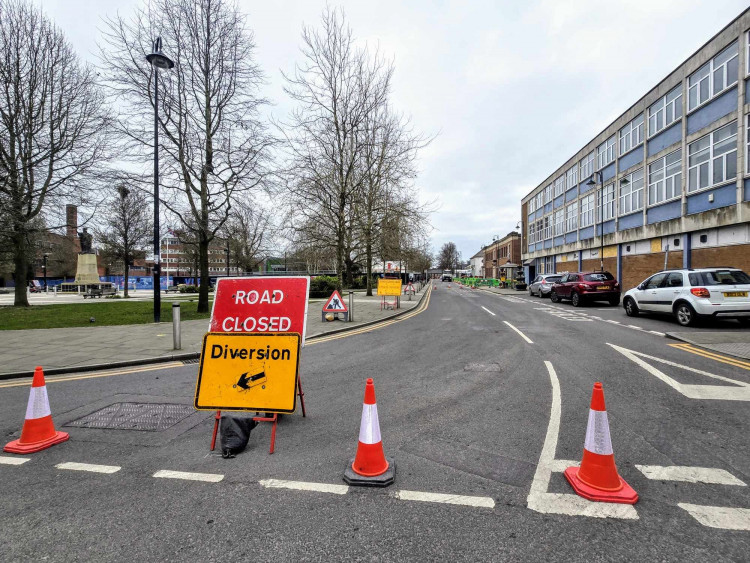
(351, 306)
(176, 330)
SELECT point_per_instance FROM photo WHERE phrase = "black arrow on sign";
(244, 379)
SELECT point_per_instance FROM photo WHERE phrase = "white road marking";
(91, 467)
(554, 503)
(490, 312)
(6, 460)
(207, 477)
(481, 502)
(715, 392)
(719, 516)
(526, 338)
(656, 332)
(611, 321)
(690, 474)
(305, 486)
(635, 327)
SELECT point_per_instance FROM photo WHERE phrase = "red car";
(581, 287)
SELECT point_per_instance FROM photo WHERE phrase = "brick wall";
(637, 268)
(593, 264)
(737, 256)
(570, 266)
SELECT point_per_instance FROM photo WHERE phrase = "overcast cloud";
(513, 88)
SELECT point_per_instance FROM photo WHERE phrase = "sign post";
(389, 287)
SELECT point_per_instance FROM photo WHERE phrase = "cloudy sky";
(511, 88)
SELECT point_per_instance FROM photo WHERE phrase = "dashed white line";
(719, 516)
(634, 327)
(611, 321)
(687, 474)
(6, 460)
(305, 486)
(90, 467)
(656, 332)
(481, 502)
(207, 477)
(526, 338)
(490, 312)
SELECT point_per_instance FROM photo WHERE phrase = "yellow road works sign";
(248, 371)
(389, 287)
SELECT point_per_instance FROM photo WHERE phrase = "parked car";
(447, 278)
(542, 284)
(583, 287)
(690, 294)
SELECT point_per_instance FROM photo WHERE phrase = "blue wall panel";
(559, 241)
(723, 196)
(609, 227)
(571, 237)
(585, 188)
(548, 243)
(571, 194)
(587, 232)
(666, 138)
(608, 172)
(670, 210)
(547, 207)
(718, 108)
(747, 189)
(632, 158)
(747, 92)
(631, 221)
(558, 201)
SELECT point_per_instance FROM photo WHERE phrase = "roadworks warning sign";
(253, 372)
(335, 304)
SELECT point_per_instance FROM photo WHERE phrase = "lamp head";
(159, 59)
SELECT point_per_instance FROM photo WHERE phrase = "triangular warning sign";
(335, 304)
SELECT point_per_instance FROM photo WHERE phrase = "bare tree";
(216, 146)
(336, 87)
(52, 128)
(127, 229)
(449, 256)
(248, 231)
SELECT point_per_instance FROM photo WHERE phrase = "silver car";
(542, 284)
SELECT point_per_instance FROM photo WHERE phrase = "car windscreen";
(719, 277)
(598, 277)
(553, 279)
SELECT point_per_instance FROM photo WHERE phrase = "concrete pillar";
(687, 250)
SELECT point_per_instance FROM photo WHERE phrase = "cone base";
(16, 447)
(382, 480)
(626, 495)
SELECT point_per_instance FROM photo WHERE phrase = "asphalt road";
(469, 408)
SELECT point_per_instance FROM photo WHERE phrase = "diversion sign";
(253, 372)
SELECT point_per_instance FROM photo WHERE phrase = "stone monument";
(87, 271)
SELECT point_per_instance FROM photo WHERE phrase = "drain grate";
(191, 361)
(149, 417)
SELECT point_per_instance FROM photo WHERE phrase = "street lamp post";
(157, 60)
(44, 270)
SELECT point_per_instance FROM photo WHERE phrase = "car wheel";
(531, 293)
(685, 314)
(614, 301)
(631, 309)
(553, 297)
(575, 299)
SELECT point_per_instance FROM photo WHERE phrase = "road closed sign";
(253, 372)
(269, 304)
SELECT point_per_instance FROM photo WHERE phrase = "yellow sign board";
(389, 286)
(248, 371)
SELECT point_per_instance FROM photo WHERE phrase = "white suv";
(692, 294)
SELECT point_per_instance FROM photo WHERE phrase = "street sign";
(252, 372)
(335, 304)
(272, 304)
(389, 286)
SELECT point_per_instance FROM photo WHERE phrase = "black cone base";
(383, 480)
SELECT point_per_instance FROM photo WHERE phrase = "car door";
(534, 288)
(668, 291)
(566, 284)
(648, 297)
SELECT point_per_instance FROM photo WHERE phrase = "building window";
(539, 200)
(560, 186)
(608, 208)
(548, 194)
(665, 111)
(713, 159)
(587, 165)
(559, 222)
(631, 194)
(713, 77)
(631, 135)
(747, 147)
(571, 217)
(747, 54)
(531, 234)
(605, 153)
(540, 230)
(665, 178)
(532, 205)
(587, 210)
(548, 227)
(571, 178)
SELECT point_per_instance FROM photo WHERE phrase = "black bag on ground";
(235, 432)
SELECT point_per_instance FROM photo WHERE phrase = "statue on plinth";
(86, 241)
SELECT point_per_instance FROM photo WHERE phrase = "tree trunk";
(368, 252)
(205, 280)
(125, 285)
(21, 263)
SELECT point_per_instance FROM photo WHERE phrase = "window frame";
(571, 177)
(676, 104)
(586, 165)
(747, 134)
(586, 211)
(629, 192)
(559, 185)
(626, 135)
(547, 194)
(652, 185)
(571, 217)
(604, 149)
(547, 227)
(710, 76)
(561, 223)
(608, 206)
(710, 161)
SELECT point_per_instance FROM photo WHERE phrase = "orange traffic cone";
(38, 432)
(597, 477)
(370, 467)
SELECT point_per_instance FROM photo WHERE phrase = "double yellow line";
(712, 355)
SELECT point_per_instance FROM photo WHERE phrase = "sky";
(511, 89)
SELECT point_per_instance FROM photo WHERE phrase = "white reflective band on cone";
(597, 434)
(38, 405)
(369, 430)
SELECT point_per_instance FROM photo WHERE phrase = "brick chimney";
(71, 221)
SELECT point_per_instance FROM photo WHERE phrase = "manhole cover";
(149, 417)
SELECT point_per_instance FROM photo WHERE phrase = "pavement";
(60, 350)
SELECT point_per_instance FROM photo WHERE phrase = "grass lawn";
(115, 312)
